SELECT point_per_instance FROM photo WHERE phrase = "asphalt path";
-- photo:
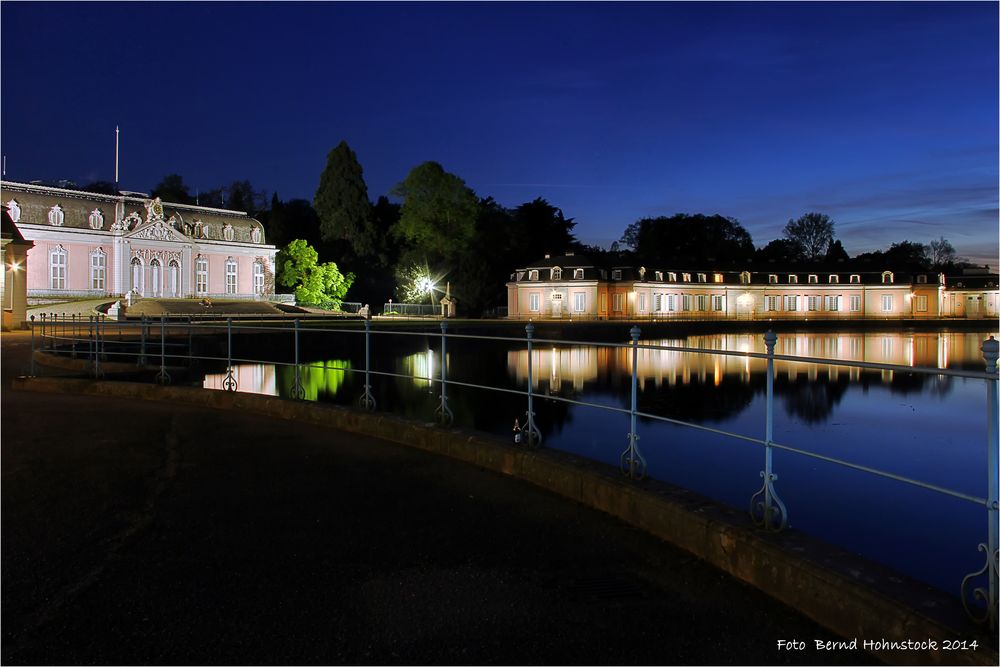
(143, 533)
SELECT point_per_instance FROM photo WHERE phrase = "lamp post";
(14, 268)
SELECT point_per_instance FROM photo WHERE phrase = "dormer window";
(855, 279)
(686, 277)
(887, 277)
(922, 279)
(616, 274)
(813, 279)
(834, 279)
(671, 277)
(577, 274)
(744, 277)
(520, 276)
(533, 274)
(228, 233)
(96, 219)
(772, 279)
(56, 216)
(702, 278)
(793, 280)
(659, 276)
(15, 210)
(556, 273)
(717, 277)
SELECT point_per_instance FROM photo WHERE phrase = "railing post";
(229, 384)
(41, 339)
(534, 435)
(73, 335)
(190, 342)
(991, 352)
(102, 336)
(766, 508)
(95, 346)
(633, 464)
(31, 360)
(444, 412)
(367, 400)
(141, 361)
(163, 377)
(298, 393)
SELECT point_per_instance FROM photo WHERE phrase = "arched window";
(98, 270)
(174, 279)
(556, 273)
(887, 277)
(57, 268)
(230, 276)
(56, 216)
(156, 277)
(96, 219)
(137, 276)
(227, 232)
(15, 210)
(258, 277)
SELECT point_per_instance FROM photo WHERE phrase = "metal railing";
(97, 339)
(392, 309)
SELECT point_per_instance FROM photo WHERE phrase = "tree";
(907, 256)
(341, 202)
(438, 215)
(685, 240)
(941, 254)
(538, 225)
(813, 232)
(783, 252)
(315, 284)
(172, 189)
(836, 253)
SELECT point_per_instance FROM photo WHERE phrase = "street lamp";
(14, 268)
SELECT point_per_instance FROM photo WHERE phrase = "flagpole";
(116, 159)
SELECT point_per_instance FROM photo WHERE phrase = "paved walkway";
(143, 533)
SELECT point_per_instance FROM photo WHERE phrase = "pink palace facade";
(88, 244)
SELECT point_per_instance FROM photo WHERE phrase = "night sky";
(884, 116)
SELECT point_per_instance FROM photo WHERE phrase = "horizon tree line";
(439, 226)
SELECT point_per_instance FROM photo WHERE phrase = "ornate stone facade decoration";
(14, 209)
(96, 219)
(132, 221)
(157, 231)
(154, 210)
(227, 232)
(56, 216)
(147, 255)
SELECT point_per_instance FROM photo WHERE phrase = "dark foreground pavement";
(141, 533)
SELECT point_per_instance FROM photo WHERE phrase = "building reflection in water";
(554, 368)
(319, 378)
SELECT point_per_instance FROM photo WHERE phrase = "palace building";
(88, 244)
(573, 287)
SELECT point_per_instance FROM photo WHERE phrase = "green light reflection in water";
(317, 378)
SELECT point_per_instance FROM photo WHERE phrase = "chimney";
(548, 256)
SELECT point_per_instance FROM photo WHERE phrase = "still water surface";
(929, 428)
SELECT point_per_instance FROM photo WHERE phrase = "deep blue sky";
(884, 116)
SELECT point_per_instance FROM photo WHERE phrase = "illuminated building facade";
(88, 244)
(572, 287)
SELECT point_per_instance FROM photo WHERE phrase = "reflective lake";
(930, 428)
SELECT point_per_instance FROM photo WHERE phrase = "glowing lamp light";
(14, 266)
(425, 285)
